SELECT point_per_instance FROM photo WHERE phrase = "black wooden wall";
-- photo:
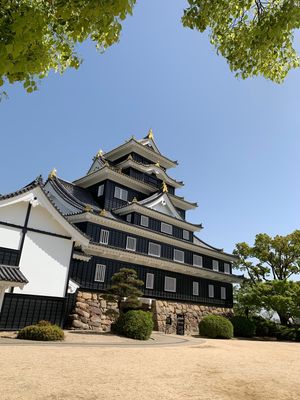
(84, 273)
(9, 256)
(118, 239)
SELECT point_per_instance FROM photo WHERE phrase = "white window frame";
(166, 228)
(151, 253)
(177, 251)
(215, 265)
(211, 291)
(128, 239)
(128, 218)
(223, 293)
(100, 273)
(144, 221)
(226, 268)
(121, 194)
(170, 281)
(104, 236)
(195, 256)
(185, 234)
(100, 190)
(195, 288)
(149, 281)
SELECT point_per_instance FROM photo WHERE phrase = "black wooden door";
(180, 324)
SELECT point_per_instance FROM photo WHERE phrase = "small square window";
(144, 221)
(100, 190)
(211, 291)
(131, 243)
(149, 281)
(166, 228)
(195, 289)
(226, 268)
(178, 255)
(100, 273)
(170, 284)
(104, 236)
(154, 249)
(186, 235)
(197, 260)
(223, 293)
(215, 265)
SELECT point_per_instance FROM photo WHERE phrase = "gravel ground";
(194, 370)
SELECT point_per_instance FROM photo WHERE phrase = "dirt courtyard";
(213, 370)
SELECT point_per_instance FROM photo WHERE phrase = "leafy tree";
(255, 36)
(269, 263)
(125, 284)
(37, 36)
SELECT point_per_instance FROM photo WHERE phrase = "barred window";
(131, 243)
(211, 291)
(100, 190)
(197, 260)
(104, 236)
(226, 268)
(186, 235)
(144, 221)
(128, 217)
(195, 289)
(223, 293)
(178, 255)
(215, 265)
(100, 273)
(154, 249)
(170, 284)
(166, 228)
(121, 194)
(149, 281)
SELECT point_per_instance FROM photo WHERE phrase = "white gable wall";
(42, 220)
(45, 262)
(14, 213)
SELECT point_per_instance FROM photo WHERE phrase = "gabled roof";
(133, 145)
(12, 274)
(158, 206)
(36, 194)
(98, 162)
(149, 142)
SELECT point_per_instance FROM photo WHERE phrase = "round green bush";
(215, 326)
(44, 331)
(243, 326)
(135, 324)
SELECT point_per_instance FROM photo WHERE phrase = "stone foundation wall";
(193, 313)
(90, 312)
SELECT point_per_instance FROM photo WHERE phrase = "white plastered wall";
(10, 237)
(45, 262)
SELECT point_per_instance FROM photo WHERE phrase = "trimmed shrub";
(215, 326)
(43, 331)
(243, 326)
(264, 327)
(135, 324)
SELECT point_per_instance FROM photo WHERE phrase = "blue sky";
(237, 142)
